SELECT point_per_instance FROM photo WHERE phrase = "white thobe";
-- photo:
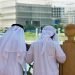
(10, 66)
(46, 63)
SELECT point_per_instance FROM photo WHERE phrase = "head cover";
(47, 32)
(13, 41)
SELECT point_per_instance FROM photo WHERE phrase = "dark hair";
(18, 25)
(42, 27)
(52, 36)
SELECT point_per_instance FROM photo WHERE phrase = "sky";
(60, 1)
(54, 2)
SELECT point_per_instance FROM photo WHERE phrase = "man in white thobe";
(13, 51)
(46, 53)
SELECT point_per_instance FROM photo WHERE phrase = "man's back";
(44, 64)
(45, 53)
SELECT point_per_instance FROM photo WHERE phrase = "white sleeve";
(60, 55)
(29, 55)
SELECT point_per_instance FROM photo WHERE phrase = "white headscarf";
(13, 41)
(47, 32)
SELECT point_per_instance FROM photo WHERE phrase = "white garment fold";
(13, 49)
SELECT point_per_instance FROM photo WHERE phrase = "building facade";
(8, 13)
(57, 14)
(24, 13)
(35, 14)
(70, 14)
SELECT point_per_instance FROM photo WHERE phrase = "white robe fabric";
(12, 52)
(10, 66)
(45, 63)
